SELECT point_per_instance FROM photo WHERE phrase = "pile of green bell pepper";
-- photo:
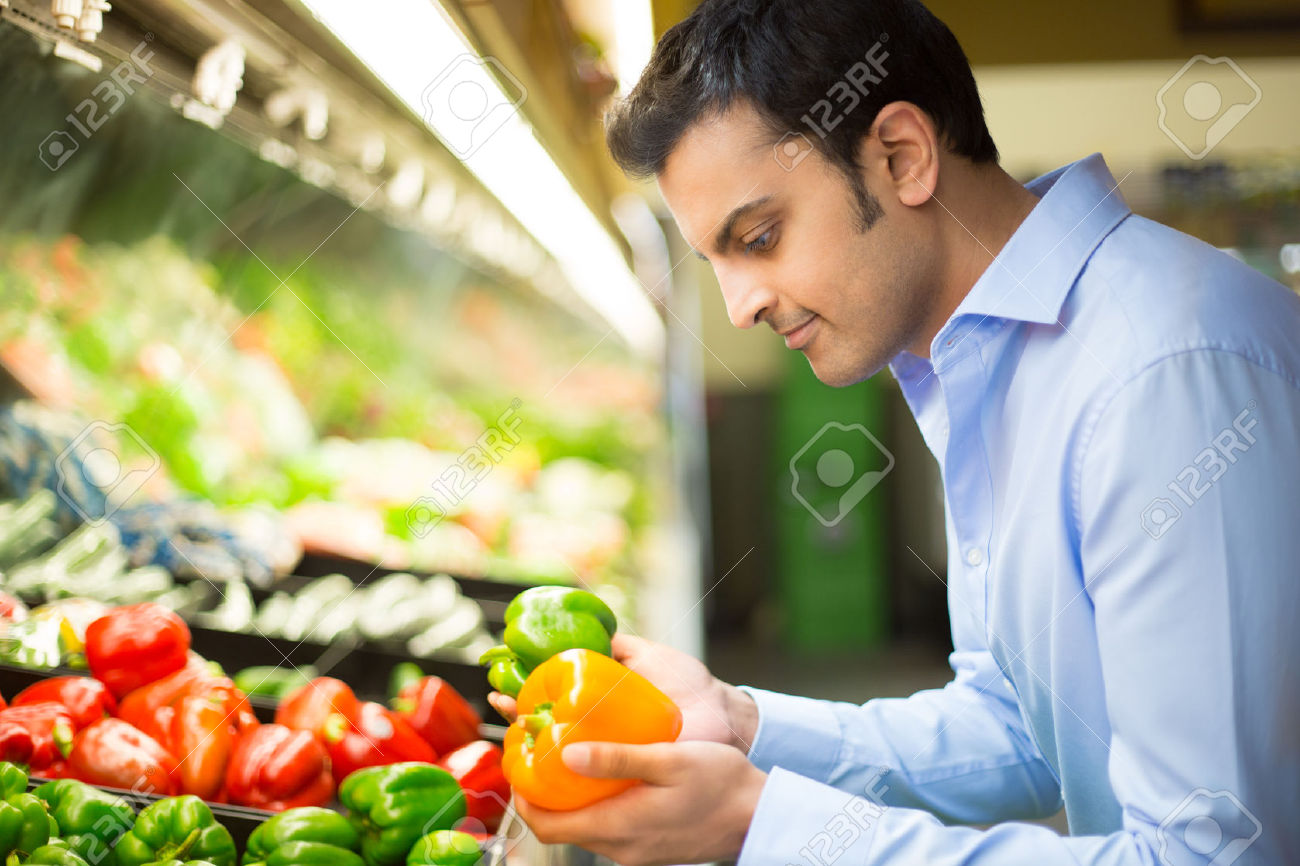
(541, 622)
(393, 806)
(398, 815)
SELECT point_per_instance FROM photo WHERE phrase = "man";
(1114, 407)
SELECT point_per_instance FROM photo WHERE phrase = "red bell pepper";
(195, 715)
(438, 713)
(86, 699)
(152, 707)
(202, 736)
(309, 707)
(111, 752)
(16, 743)
(136, 644)
(60, 769)
(379, 736)
(51, 729)
(277, 768)
(477, 767)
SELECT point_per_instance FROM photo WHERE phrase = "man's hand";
(712, 710)
(695, 805)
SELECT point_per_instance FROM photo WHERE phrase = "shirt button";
(974, 557)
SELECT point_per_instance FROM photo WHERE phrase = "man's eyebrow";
(723, 239)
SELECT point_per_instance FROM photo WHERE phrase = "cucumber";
(273, 682)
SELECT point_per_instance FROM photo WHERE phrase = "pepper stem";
(539, 720)
(178, 851)
(335, 727)
(63, 734)
(535, 722)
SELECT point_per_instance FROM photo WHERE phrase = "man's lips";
(798, 336)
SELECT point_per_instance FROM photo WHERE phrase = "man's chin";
(841, 375)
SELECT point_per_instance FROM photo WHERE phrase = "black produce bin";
(492, 594)
(365, 668)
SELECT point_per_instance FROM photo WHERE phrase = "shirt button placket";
(967, 471)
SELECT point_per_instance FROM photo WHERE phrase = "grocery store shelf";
(375, 152)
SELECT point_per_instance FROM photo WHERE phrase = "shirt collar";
(1079, 205)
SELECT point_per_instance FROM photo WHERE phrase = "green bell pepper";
(13, 780)
(329, 834)
(445, 848)
(181, 863)
(393, 806)
(90, 820)
(176, 828)
(505, 673)
(541, 622)
(24, 825)
(57, 853)
(311, 854)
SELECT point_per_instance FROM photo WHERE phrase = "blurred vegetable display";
(475, 430)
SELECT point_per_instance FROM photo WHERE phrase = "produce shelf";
(493, 594)
(239, 820)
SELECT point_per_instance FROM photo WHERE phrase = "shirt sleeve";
(1195, 610)
(960, 752)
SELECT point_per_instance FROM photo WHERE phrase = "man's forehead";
(722, 161)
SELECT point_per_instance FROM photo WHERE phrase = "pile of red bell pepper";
(157, 718)
(429, 722)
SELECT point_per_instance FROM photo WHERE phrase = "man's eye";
(762, 243)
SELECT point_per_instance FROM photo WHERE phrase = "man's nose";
(748, 299)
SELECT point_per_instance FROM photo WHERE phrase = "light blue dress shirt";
(1115, 408)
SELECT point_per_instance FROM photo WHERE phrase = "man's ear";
(902, 151)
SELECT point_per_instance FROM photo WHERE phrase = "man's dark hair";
(783, 57)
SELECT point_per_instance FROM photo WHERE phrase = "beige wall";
(1059, 113)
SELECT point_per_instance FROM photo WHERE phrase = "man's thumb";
(616, 760)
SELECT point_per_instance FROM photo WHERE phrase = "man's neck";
(978, 215)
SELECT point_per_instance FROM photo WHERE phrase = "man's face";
(789, 247)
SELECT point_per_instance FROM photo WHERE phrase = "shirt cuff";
(801, 821)
(800, 734)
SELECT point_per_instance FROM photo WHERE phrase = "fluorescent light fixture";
(415, 48)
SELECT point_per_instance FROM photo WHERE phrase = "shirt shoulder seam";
(1103, 401)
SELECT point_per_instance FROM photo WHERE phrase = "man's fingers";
(504, 705)
(652, 763)
(625, 646)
